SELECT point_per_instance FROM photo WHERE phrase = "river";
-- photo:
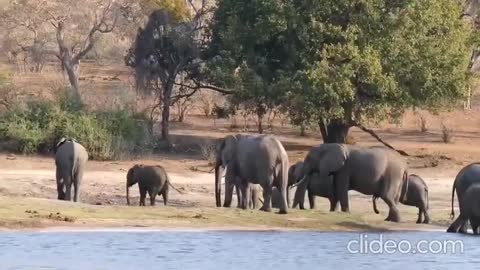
(231, 250)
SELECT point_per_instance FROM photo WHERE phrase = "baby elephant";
(416, 194)
(151, 179)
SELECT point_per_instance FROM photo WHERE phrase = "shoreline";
(140, 229)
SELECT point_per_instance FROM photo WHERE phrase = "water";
(221, 250)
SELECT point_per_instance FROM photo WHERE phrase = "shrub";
(447, 134)
(422, 123)
(208, 153)
(36, 126)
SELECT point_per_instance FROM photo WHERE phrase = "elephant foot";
(282, 212)
(451, 229)
(266, 209)
(419, 221)
(426, 221)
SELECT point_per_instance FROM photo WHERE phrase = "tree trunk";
(260, 126)
(166, 112)
(73, 79)
(335, 131)
(302, 129)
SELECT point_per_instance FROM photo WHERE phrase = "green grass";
(20, 213)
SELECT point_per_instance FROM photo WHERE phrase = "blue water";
(223, 250)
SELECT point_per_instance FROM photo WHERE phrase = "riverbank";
(28, 202)
(43, 214)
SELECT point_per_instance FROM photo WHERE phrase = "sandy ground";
(30, 181)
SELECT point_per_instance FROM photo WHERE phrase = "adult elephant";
(471, 208)
(467, 177)
(375, 171)
(255, 159)
(70, 160)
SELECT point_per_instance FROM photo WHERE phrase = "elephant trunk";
(128, 194)
(218, 183)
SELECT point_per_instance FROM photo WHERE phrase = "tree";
(164, 53)
(344, 63)
(372, 59)
(246, 48)
(69, 25)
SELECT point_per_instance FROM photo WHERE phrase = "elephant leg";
(143, 195)
(474, 225)
(457, 225)
(152, 194)
(68, 190)
(426, 217)
(282, 187)
(267, 199)
(238, 190)
(311, 200)
(288, 198)
(60, 185)
(76, 184)
(245, 195)
(228, 193)
(420, 212)
(333, 204)
(341, 187)
(165, 195)
(464, 227)
(393, 214)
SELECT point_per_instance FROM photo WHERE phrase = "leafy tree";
(342, 63)
(371, 59)
(246, 47)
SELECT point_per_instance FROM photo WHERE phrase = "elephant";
(316, 186)
(468, 176)
(151, 179)
(232, 181)
(375, 171)
(70, 160)
(252, 159)
(471, 208)
(414, 193)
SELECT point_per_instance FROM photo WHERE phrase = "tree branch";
(212, 87)
(373, 134)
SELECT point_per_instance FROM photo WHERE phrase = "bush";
(208, 151)
(37, 126)
(447, 134)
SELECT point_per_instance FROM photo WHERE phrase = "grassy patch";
(31, 213)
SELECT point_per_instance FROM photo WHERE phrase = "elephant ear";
(228, 149)
(332, 157)
(131, 179)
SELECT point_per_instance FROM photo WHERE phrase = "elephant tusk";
(299, 182)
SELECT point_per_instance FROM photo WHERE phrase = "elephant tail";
(452, 213)
(405, 180)
(374, 200)
(428, 201)
(170, 184)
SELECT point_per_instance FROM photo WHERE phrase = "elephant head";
(131, 180)
(225, 152)
(294, 173)
(325, 160)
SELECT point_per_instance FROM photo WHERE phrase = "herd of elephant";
(256, 165)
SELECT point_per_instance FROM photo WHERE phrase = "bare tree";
(67, 29)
